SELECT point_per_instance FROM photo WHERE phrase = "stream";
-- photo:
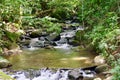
(62, 61)
(46, 64)
(59, 58)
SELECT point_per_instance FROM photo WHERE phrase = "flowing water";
(56, 58)
(31, 64)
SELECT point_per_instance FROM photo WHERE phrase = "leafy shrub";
(103, 34)
(63, 8)
(46, 23)
(116, 70)
(93, 12)
(103, 20)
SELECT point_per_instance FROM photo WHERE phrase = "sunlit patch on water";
(79, 58)
(75, 58)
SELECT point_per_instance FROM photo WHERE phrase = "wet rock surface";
(53, 74)
(102, 68)
(75, 74)
(38, 38)
(4, 63)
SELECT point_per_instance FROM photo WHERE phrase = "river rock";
(49, 47)
(75, 75)
(37, 44)
(25, 43)
(109, 78)
(35, 33)
(65, 26)
(44, 33)
(73, 42)
(53, 37)
(97, 79)
(99, 60)
(102, 68)
(8, 52)
(4, 63)
(24, 37)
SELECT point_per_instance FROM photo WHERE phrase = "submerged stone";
(75, 75)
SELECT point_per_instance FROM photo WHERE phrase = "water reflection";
(51, 58)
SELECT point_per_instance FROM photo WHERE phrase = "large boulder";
(109, 78)
(99, 60)
(35, 33)
(75, 75)
(102, 68)
(4, 63)
(13, 51)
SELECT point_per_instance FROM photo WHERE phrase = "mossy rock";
(25, 43)
(102, 68)
(1, 50)
(36, 33)
(4, 63)
(4, 76)
(74, 42)
(10, 45)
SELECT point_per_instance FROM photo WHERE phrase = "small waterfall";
(32, 44)
(64, 40)
(43, 75)
(68, 34)
(65, 37)
(49, 74)
(35, 43)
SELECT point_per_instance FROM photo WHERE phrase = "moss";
(10, 45)
(4, 76)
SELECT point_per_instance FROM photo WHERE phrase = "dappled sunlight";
(79, 58)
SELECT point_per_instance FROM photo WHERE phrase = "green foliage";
(8, 35)
(1, 50)
(103, 34)
(4, 76)
(93, 12)
(47, 23)
(80, 37)
(9, 13)
(9, 10)
(63, 8)
(116, 70)
(102, 17)
(12, 36)
(51, 26)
